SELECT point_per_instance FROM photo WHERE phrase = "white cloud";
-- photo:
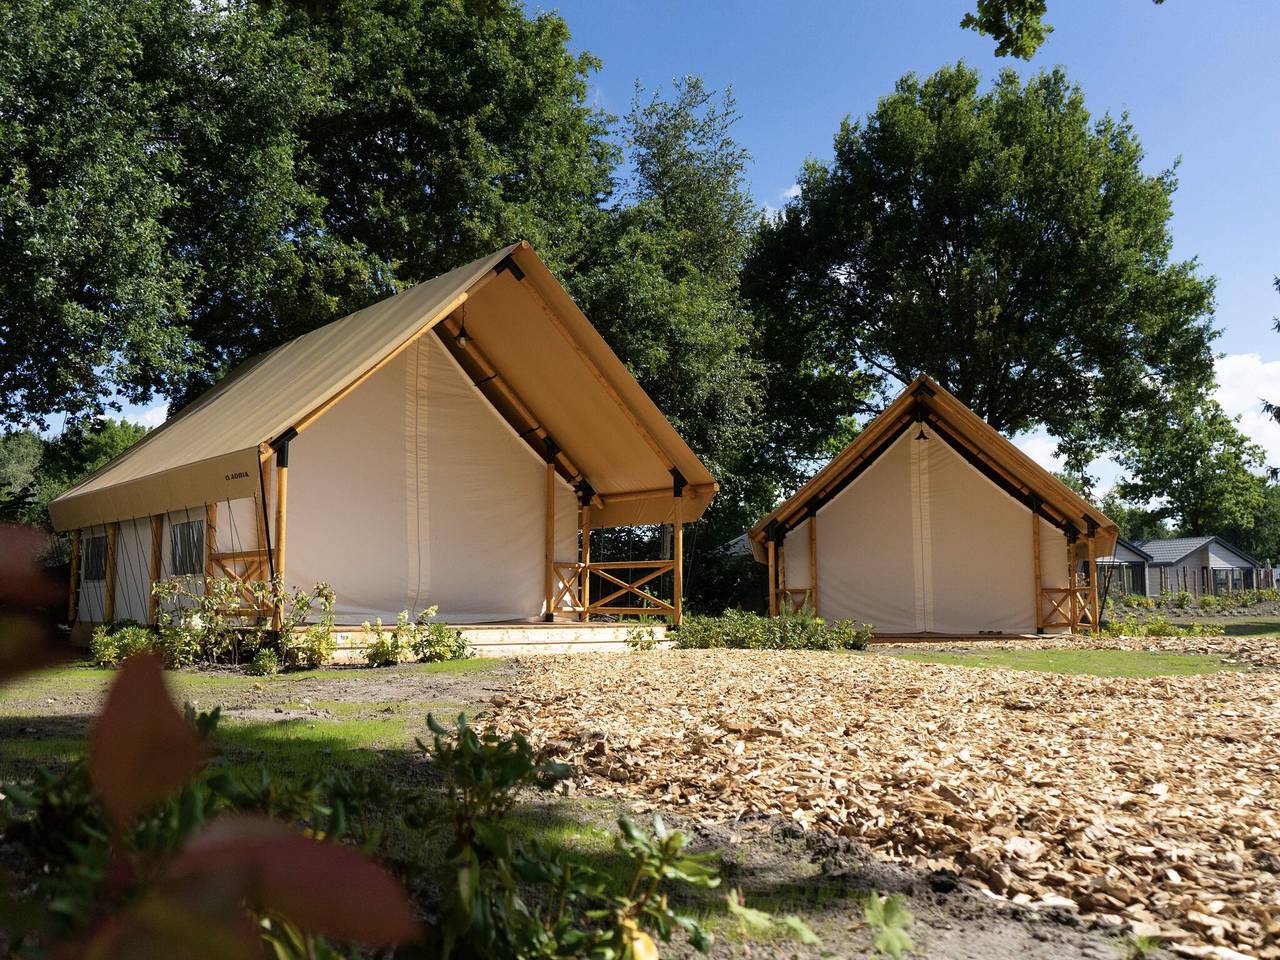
(150, 418)
(790, 193)
(1244, 381)
(1039, 446)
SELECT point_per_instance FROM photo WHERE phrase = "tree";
(661, 284)
(34, 470)
(1017, 26)
(1004, 242)
(1194, 468)
(185, 184)
(1136, 522)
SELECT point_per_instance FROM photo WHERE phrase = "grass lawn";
(1098, 663)
(1246, 626)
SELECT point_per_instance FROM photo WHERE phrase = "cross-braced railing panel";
(625, 578)
(1056, 607)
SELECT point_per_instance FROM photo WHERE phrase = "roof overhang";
(925, 401)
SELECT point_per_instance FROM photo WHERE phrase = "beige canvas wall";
(412, 491)
(922, 542)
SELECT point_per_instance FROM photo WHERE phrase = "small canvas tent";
(931, 522)
(451, 445)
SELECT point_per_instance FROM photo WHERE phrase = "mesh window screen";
(187, 543)
(95, 558)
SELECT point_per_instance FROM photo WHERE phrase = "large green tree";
(1006, 243)
(35, 469)
(185, 184)
(1193, 468)
(661, 284)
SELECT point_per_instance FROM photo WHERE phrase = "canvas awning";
(535, 356)
(977, 441)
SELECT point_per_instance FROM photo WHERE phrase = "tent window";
(94, 561)
(187, 543)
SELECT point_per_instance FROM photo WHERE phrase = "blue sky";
(1198, 79)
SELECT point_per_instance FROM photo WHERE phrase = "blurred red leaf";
(25, 582)
(321, 887)
(141, 748)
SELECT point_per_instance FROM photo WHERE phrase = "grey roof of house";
(1135, 546)
(1176, 548)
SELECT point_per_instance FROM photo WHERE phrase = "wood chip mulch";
(1150, 802)
(1254, 651)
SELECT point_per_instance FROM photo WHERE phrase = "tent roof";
(975, 439)
(529, 348)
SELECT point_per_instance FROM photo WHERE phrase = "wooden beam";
(1073, 596)
(782, 578)
(157, 547)
(585, 557)
(813, 561)
(677, 554)
(1039, 578)
(73, 587)
(282, 501)
(771, 549)
(550, 572)
(655, 493)
(109, 589)
(1095, 626)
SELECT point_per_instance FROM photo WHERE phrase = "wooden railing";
(619, 578)
(1058, 609)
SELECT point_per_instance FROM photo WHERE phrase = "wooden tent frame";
(925, 403)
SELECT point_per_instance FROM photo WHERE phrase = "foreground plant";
(512, 902)
(174, 885)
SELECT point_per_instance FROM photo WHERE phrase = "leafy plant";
(265, 663)
(1209, 602)
(760, 924)
(737, 629)
(575, 911)
(641, 636)
(148, 869)
(890, 922)
(419, 638)
(205, 619)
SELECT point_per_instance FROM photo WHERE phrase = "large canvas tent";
(451, 445)
(932, 522)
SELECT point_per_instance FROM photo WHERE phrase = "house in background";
(1124, 571)
(1198, 565)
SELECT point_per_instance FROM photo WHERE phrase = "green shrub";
(642, 635)
(1137, 601)
(1209, 602)
(309, 649)
(265, 663)
(738, 630)
(575, 910)
(1181, 600)
(110, 646)
(413, 639)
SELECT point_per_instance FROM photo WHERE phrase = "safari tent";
(931, 522)
(451, 445)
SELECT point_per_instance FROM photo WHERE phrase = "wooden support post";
(282, 500)
(1093, 586)
(109, 589)
(157, 533)
(585, 571)
(677, 555)
(771, 548)
(1039, 577)
(784, 598)
(210, 537)
(73, 588)
(550, 575)
(1072, 595)
(813, 561)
